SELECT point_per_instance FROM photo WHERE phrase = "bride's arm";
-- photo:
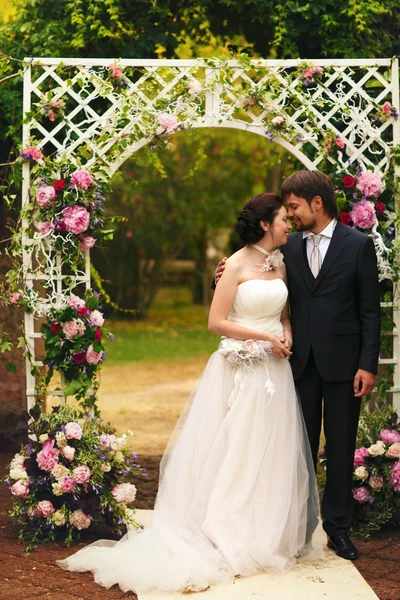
(218, 322)
(285, 318)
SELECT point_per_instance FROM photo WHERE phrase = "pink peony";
(363, 214)
(318, 70)
(75, 301)
(76, 219)
(168, 122)
(74, 327)
(69, 453)
(44, 228)
(124, 492)
(359, 455)
(44, 509)
(107, 440)
(82, 179)
(339, 143)
(97, 318)
(48, 457)
(370, 184)
(386, 108)
(362, 495)
(14, 298)
(79, 520)
(389, 436)
(394, 476)
(73, 431)
(32, 153)
(92, 357)
(87, 242)
(67, 485)
(45, 195)
(81, 474)
(20, 489)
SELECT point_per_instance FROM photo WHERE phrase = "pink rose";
(75, 301)
(92, 357)
(82, 179)
(308, 74)
(394, 479)
(318, 70)
(370, 184)
(363, 214)
(52, 115)
(44, 228)
(168, 122)
(359, 455)
(81, 474)
(387, 108)
(44, 509)
(32, 153)
(20, 489)
(376, 482)
(74, 327)
(67, 485)
(45, 195)
(327, 145)
(389, 436)
(107, 440)
(362, 495)
(339, 143)
(97, 318)
(14, 298)
(79, 520)
(87, 242)
(76, 219)
(73, 431)
(124, 492)
(278, 120)
(69, 453)
(394, 450)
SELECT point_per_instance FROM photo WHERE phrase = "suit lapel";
(338, 242)
(301, 259)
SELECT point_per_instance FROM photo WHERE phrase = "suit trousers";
(341, 410)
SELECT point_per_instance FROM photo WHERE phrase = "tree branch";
(10, 77)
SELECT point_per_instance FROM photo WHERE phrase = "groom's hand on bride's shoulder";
(220, 269)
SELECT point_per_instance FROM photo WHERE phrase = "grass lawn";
(174, 329)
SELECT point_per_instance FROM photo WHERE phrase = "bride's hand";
(220, 269)
(279, 348)
(287, 340)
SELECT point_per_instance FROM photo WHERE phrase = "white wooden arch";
(344, 103)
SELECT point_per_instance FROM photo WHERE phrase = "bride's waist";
(263, 325)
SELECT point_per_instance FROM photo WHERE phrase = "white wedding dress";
(237, 490)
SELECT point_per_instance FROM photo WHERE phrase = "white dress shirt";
(326, 236)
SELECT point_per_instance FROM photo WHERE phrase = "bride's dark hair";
(263, 207)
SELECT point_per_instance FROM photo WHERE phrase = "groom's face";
(301, 213)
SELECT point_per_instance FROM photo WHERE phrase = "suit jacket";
(337, 315)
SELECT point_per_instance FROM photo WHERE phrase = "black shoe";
(343, 546)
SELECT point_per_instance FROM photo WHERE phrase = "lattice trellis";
(98, 117)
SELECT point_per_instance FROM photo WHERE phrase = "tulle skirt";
(237, 491)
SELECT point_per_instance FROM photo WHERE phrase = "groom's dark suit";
(336, 331)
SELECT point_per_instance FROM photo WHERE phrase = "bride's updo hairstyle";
(263, 207)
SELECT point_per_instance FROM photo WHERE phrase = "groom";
(335, 314)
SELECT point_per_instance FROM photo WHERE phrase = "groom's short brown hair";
(308, 184)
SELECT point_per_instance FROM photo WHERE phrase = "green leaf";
(11, 367)
(72, 388)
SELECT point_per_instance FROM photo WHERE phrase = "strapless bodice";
(258, 305)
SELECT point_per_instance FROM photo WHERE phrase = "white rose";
(58, 518)
(394, 450)
(18, 474)
(119, 457)
(60, 471)
(61, 439)
(43, 438)
(361, 472)
(377, 449)
(106, 467)
(119, 443)
(57, 491)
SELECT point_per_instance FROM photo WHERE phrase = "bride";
(237, 492)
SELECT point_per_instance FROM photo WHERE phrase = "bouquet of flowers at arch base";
(71, 475)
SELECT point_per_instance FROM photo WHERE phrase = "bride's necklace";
(273, 259)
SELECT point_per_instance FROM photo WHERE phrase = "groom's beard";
(300, 226)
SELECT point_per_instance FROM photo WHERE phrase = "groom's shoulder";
(292, 242)
(354, 235)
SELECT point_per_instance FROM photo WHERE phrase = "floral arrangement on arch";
(73, 340)
(71, 476)
(376, 476)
